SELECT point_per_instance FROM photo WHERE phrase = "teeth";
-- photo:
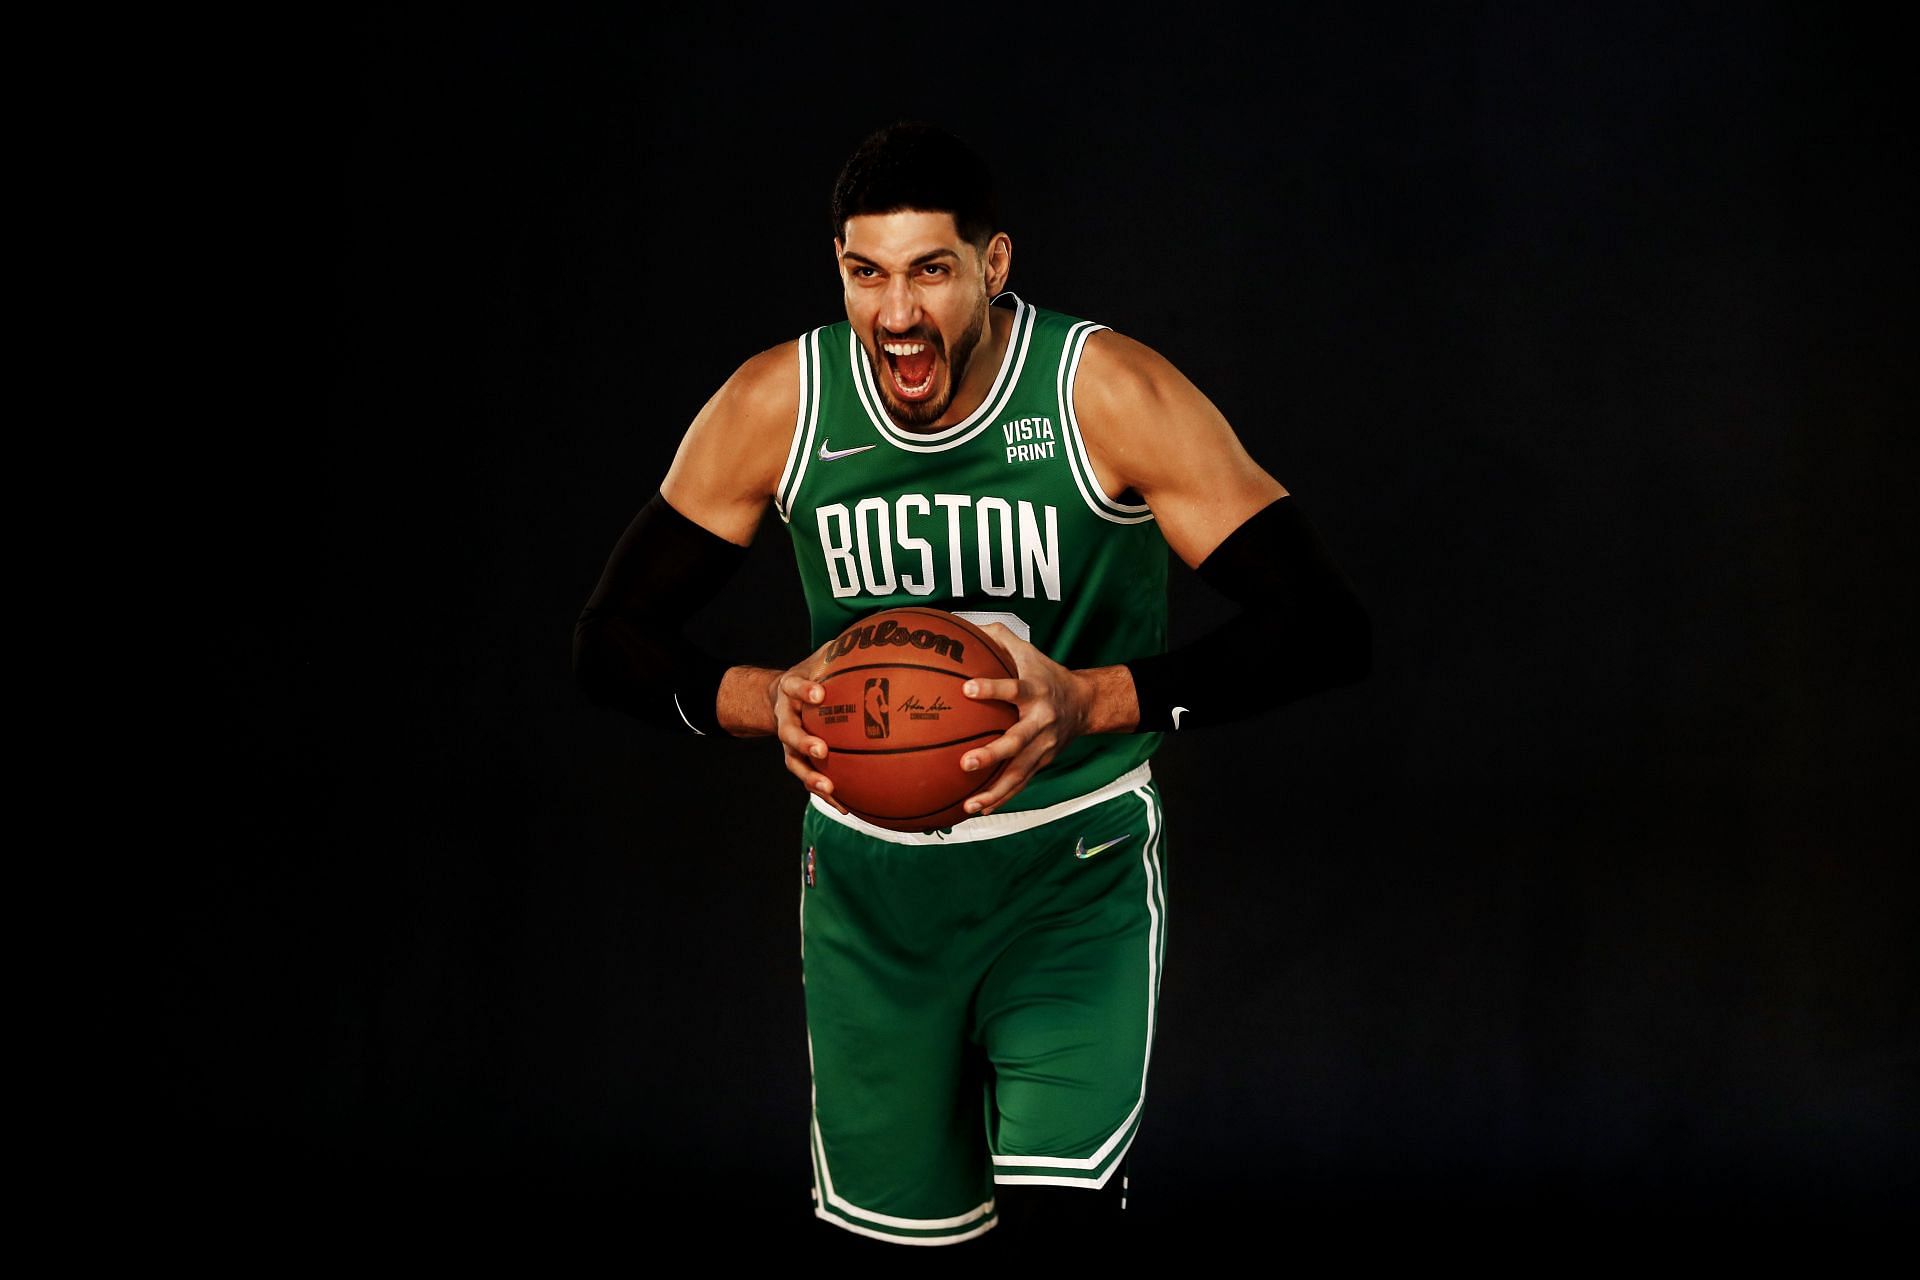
(903, 348)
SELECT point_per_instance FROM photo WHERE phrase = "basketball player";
(949, 444)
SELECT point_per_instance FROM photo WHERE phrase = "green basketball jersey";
(998, 517)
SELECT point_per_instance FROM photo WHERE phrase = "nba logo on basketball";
(876, 708)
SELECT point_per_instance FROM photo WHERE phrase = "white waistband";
(994, 825)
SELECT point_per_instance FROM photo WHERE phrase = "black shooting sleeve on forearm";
(1301, 629)
(630, 648)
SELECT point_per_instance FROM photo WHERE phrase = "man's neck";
(982, 369)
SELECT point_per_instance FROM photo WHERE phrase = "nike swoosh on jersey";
(1177, 713)
(1080, 849)
(828, 455)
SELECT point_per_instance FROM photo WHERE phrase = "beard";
(920, 414)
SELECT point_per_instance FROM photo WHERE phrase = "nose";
(900, 307)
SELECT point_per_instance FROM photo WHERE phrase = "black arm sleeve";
(630, 648)
(1301, 629)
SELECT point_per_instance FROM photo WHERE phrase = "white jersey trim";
(1078, 462)
(805, 418)
(995, 825)
(1008, 377)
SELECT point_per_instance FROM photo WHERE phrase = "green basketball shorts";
(981, 1006)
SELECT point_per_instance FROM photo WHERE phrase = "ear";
(999, 260)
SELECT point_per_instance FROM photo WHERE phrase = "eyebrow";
(928, 256)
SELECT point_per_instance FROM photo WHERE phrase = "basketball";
(895, 721)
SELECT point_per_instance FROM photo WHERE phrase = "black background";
(1574, 328)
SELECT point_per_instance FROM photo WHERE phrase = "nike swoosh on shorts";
(1080, 849)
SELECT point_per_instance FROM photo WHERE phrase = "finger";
(983, 758)
(801, 689)
(795, 738)
(791, 729)
(812, 779)
(1009, 784)
(1012, 780)
(992, 690)
(824, 789)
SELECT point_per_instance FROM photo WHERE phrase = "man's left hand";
(1055, 706)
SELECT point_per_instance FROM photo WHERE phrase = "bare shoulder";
(729, 461)
(767, 386)
(1149, 430)
(757, 403)
(1136, 407)
(1121, 378)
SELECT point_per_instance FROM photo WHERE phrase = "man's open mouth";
(912, 365)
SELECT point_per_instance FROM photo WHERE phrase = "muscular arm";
(629, 647)
(723, 477)
(1150, 432)
(724, 473)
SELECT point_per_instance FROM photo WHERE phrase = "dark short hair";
(915, 165)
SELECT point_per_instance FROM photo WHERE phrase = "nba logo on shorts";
(876, 708)
(807, 866)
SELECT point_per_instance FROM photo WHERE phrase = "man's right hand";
(787, 693)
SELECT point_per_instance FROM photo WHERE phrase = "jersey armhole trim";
(1077, 460)
(804, 420)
